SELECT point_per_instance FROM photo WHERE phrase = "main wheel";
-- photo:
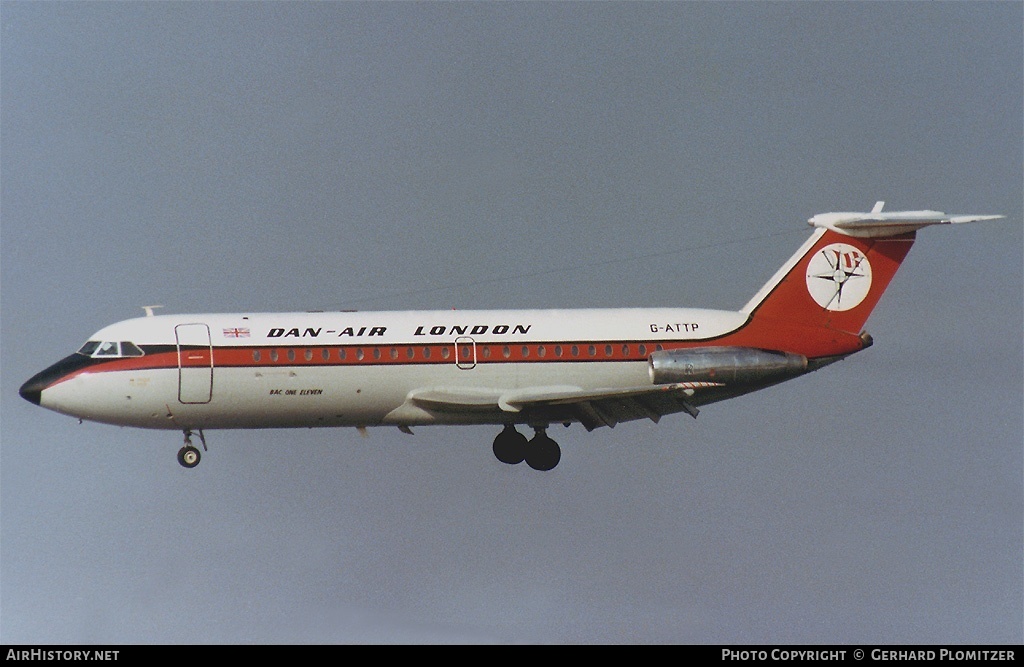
(543, 453)
(510, 446)
(188, 456)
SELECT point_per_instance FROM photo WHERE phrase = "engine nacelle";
(724, 365)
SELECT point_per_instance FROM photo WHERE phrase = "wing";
(591, 407)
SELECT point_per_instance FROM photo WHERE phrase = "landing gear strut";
(540, 453)
(188, 456)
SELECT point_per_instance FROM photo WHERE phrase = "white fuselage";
(360, 368)
(534, 367)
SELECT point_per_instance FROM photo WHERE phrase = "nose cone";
(32, 391)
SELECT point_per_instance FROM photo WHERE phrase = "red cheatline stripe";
(438, 353)
(824, 343)
(357, 355)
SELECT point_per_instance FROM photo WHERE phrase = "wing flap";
(591, 407)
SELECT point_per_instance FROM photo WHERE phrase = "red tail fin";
(818, 302)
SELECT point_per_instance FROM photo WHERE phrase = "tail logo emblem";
(838, 277)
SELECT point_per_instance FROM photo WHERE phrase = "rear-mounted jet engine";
(725, 365)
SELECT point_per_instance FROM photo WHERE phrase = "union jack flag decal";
(236, 333)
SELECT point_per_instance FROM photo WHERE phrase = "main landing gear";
(189, 456)
(540, 453)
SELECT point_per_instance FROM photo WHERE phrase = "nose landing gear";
(540, 453)
(188, 456)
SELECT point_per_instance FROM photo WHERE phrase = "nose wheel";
(189, 456)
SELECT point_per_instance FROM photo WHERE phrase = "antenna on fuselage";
(149, 310)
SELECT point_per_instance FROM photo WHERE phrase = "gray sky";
(293, 156)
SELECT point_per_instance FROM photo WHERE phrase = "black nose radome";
(32, 390)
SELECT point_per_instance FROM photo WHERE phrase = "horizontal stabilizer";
(876, 224)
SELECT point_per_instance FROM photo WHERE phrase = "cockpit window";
(129, 349)
(95, 348)
(106, 349)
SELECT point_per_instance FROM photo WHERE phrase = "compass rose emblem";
(838, 277)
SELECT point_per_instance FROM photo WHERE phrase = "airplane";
(508, 368)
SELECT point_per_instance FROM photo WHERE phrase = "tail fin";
(818, 302)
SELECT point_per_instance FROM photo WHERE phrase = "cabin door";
(465, 352)
(195, 363)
